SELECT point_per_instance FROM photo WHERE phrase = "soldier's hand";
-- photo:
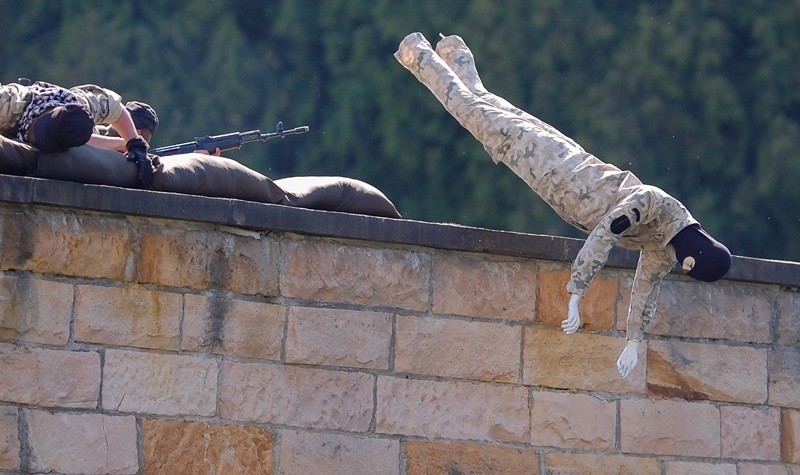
(137, 152)
(629, 358)
(573, 320)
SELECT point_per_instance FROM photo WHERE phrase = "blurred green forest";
(698, 97)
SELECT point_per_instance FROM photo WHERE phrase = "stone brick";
(225, 325)
(199, 447)
(301, 397)
(598, 306)
(45, 377)
(586, 361)
(762, 468)
(788, 316)
(751, 433)
(707, 371)
(667, 427)
(308, 452)
(590, 464)
(452, 410)
(62, 243)
(790, 436)
(425, 457)
(330, 337)
(34, 310)
(784, 386)
(721, 311)
(155, 383)
(203, 259)
(127, 316)
(325, 271)
(476, 287)
(576, 421)
(458, 349)
(678, 467)
(106, 444)
(9, 438)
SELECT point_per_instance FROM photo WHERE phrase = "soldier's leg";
(525, 148)
(456, 54)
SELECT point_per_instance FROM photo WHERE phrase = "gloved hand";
(137, 152)
(628, 359)
(573, 320)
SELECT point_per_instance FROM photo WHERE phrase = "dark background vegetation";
(698, 97)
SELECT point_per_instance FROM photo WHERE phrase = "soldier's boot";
(495, 128)
(457, 55)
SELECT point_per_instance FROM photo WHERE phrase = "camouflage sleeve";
(104, 105)
(653, 265)
(593, 255)
(12, 103)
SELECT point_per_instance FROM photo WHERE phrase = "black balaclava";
(61, 128)
(144, 116)
(711, 258)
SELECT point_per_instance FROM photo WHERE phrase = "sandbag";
(16, 158)
(333, 193)
(209, 175)
(88, 164)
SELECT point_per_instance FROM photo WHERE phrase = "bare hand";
(573, 321)
(628, 359)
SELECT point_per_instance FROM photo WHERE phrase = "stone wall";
(159, 333)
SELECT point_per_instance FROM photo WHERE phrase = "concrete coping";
(279, 218)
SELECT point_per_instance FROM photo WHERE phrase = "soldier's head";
(144, 118)
(703, 257)
(61, 128)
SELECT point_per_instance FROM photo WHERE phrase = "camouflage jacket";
(13, 100)
(616, 209)
(104, 105)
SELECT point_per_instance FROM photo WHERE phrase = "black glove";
(137, 152)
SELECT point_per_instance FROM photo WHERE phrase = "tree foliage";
(698, 97)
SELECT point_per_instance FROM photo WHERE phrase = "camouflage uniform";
(612, 205)
(104, 105)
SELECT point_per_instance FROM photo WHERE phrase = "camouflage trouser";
(528, 146)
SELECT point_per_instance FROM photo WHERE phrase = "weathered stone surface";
(707, 371)
(667, 427)
(301, 397)
(225, 325)
(784, 385)
(425, 457)
(308, 452)
(45, 377)
(765, 468)
(788, 315)
(198, 447)
(330, 272)
(127, 316)
(9, 438)
(577, 421)
(790, 436)
(203, 259)
(590, 464)
(452, 410)
(331, 337)
(154, 383)
(677, 467)
(34, 310)
(723, 310)
(578, 361)
(751, 433)
(483, 288)
(81, 443)
(60, 243)
(598, 306)
(458, 349)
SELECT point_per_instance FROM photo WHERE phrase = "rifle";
(225, 142)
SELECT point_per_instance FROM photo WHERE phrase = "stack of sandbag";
(196, 174)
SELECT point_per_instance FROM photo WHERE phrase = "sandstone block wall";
(165, 340)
